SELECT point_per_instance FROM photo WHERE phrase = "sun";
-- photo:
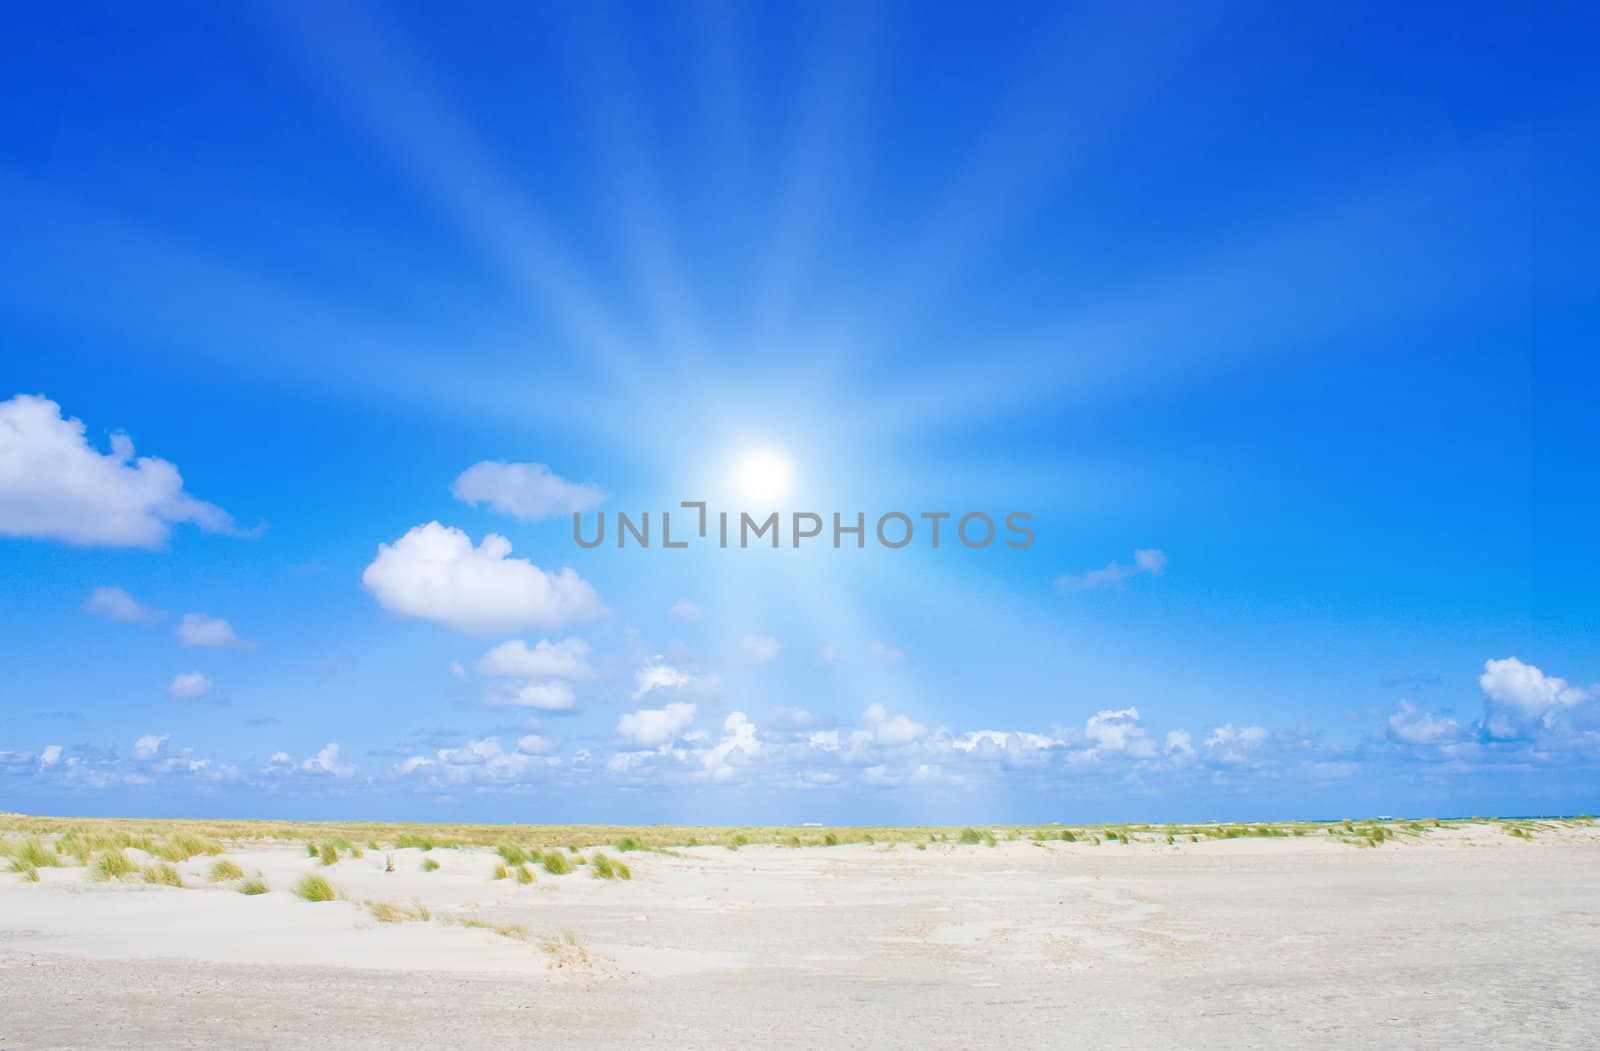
(763, 476)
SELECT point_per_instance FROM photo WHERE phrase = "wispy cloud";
(1145, 561)
(529, 491)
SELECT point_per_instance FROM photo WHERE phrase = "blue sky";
(1275, 322)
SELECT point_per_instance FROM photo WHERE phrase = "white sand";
(1467, 938)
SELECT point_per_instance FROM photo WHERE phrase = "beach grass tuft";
(606, 867)
(253, 886)
(226, 870)
(315, 888)
(161, 873)
(556, 863)
(430, 865)
(111, 865)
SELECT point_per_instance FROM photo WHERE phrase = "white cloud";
(657, 675)
(739, 742)
(533, 744)
(553, 696)
(189, 686)
(481, 760)
(50, 755)
(1119, 731)
(886, 653)
(415, 763)
(650, 727)
(117, 604)
(760, 648)
(199, 629)
(1232, 744)
(1518, 692)
(567, 659)
(434, 572)
(891, 730)
(1145, 560)
(1418, 727)
(327, 761)
(683, 609)
(1179, 742)
(529, 491)
(148, 746)
(55, 485)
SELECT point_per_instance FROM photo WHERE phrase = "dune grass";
(430, 865)
(315, 888)
(564, 949)
(161, 873)
(225, 870)
(329, 854)
(111, 865)
(512, 854)
(388, 912)
(253, 886)
(524, 875)
(556, 863)
(603, 866)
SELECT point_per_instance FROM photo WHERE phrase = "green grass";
(225, 870)
(315, 888)
(499, 872)
(429, 865)
(329, 854)
(606, 867)
(627, 843)
(161, 873)
(110, 865)
(524, 875)
(556, 863)
(32, 853)
(254, 886)
(512, 854)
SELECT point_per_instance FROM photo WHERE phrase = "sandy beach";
(1466, 935)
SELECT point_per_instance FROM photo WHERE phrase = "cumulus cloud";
(1179, 742)
(50, 755)
(760, 648)
(529, 491)
(1418, 727)
(1119, 731)
(891, 729)
(55, 485)
(652, 727)
(189, 686)
(116, 604)
(434, 572)
(533, 744)
(1233, 744)
(1517, 694)
(328, 761)
(1145, 560)
(148, 746)
(683, 609)
(657, 676)
(202, 630)
(739, 742)
(553, 696)
(567, 659)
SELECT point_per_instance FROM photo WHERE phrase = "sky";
(318, 327)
